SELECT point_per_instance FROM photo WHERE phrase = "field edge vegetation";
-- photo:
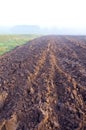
(9, 42)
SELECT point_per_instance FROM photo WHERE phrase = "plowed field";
(43, 85)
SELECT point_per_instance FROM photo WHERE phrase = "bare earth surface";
(43, 85)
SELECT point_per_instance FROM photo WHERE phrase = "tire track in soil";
(51, 96)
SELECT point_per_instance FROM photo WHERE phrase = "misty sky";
(57, 13)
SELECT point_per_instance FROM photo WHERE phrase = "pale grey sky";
(60, 13)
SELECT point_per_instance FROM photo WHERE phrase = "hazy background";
(43, 16)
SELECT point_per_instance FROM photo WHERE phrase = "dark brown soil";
(43, 85)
